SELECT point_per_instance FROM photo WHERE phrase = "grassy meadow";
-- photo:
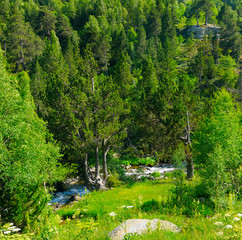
(98, 213)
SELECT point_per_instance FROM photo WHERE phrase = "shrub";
(113, 180)
(155, 174)
(217, 149)
(66, 213)
(150, 206)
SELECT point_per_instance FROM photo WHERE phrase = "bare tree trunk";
(206, 21)
(187, 143)
(190, 167)
(88, 181)
(197, 20)
(93, 85)
(105, 150)
(99, 184)
(97, 170)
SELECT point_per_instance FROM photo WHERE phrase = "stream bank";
(74, 189)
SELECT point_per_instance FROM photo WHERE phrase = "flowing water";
(66, 196)
(144, 171)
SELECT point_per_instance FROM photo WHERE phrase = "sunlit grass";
(98, 213)
(94, 221)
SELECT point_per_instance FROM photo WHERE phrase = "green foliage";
(115, 200)
(155, 174)
(116, 75)
(150, 206)
(28, 159)
(135, 161)
(184, 198)
(217, 148)
(66, 213)
(113, 180)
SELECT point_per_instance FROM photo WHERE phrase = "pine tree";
(230, 38)
(22, 44)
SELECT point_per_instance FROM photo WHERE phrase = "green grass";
(93, 219)
(90, 219)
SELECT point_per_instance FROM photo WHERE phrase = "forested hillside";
(127, 78)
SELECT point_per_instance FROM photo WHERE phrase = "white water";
(146, 171)
(64, 197)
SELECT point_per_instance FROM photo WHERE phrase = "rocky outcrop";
(199, 32)
(140, 226)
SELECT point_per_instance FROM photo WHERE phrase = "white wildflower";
(11, 228)
(123, 206)
(129, 207)
(112, 214)
(239, 215)
(228, 226)
(236, 219)
(16, 229)
(218, 223)
(219, 233)
(11, 224)
(7, 232)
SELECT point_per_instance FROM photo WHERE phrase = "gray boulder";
(199, 32)
(140, 226)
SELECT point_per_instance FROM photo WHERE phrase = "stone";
(199, 32)
(140, 226)
(202, 199)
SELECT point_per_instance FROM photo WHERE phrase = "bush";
(217, 149)
(148, 161)
(66, 213)
(113, 180)
(185, 198)
(155, 174)
(150, 206)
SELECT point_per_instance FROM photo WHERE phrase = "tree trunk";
(93, 85)
(206, 22)
(88, 181)
(105, 150)
(190, 167)
(105, 172)
(99, 183)
(97, 170)
(187, 143)
(197, 20)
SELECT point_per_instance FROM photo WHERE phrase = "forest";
(90, 88)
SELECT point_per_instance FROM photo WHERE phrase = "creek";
(74, 188)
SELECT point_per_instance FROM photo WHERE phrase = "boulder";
(199, 32)
(140, 226)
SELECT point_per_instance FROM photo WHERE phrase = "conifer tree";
(22, 44)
